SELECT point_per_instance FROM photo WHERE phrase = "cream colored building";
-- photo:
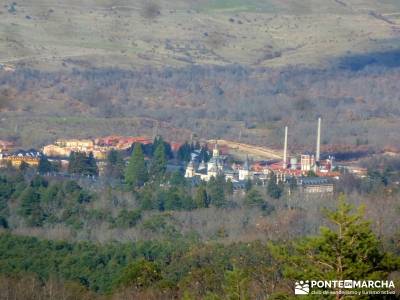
(64, 147)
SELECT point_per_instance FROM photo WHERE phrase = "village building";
(217, 166)
(99, 147)
(15, 159)
(6, 146)
(316, 185)
(311, 173)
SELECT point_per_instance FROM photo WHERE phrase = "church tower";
(215, 150)
(244, 172)
(190, 170)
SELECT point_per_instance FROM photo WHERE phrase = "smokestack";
(285, 149)
(317, 154)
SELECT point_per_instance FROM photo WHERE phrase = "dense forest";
(186, 268)
(359, 106)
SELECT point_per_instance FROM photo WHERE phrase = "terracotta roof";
(113, 140)
(6, 144)
(175, 146)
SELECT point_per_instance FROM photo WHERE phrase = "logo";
(344, 287)
(302, 287)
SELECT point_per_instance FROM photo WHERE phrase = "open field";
(127, 34)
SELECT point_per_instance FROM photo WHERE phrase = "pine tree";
(248, 185)
(229, 187)
(159, 162)
(45, 166)
(30, 207)
(136, 171)
(139, 274)
(254, 198)
(274, 189)
(184, 152)
(201, 198)
(236, 285)
(216, 191)
(80, 163)
(167, 147)
(350, 250)
(115, 165)
(91, 165)
(204, 154)
(23, 167)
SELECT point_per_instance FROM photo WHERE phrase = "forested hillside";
(215, 68)
(359, 106)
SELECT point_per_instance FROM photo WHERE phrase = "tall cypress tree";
(45, 166)
(136, 171)
(274, 189)
(91, 164)
(184, 152)
(159, 162)
(216, 191)
(115, 165)
(201, 197)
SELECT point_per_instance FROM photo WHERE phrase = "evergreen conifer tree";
(347, 250)
(159, 162)
(136, 171)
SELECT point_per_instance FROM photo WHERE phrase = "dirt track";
(252, 150)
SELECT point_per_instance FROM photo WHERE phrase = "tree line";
(186, 268)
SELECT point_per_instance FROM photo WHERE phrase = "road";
(262, 152)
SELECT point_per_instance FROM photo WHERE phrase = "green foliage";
(3, 222)
(177, 179)
(254, 198)
(159, 163)
(177, 199)
(30, 207)
(156, 197)
(184, 152)
(41, 202)
(311, 173)
(248, 185)
(24, 167)
(236, 286)
(349, 249)
(292, 183)
(158, 141)
(45, 166)
(139, 274)
(274, 190)
(216, 192)
(7, 189)
(136, 171)
(39, 182)
(82, 164)
(201, 199)
(204, 154)
(115, 165)
(229, 187)
(127, 218)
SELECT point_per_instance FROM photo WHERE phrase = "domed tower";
(190, 171)
(216, 152)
